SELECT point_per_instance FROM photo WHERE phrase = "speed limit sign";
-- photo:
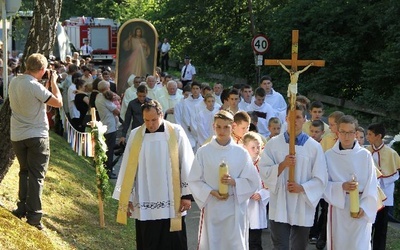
(260, 44)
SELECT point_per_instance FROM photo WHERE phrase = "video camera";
(47, 74)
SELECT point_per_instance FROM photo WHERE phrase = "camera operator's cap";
(187, 57)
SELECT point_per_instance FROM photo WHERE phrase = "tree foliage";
(359, 40)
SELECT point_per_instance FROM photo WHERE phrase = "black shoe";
(18, 214)
(112, 176)
(39, 226)
(320, 244)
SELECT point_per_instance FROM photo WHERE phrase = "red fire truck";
(102, 34)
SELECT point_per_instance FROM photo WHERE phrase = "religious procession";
(262, 169)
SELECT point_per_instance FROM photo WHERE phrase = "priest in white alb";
(345, 160)
(169, 99)
(152, 182)
(223, 220)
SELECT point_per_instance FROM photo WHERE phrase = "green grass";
(393, 237)
(70, 204)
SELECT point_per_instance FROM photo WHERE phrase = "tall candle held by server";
(223, 188)
(354, 200)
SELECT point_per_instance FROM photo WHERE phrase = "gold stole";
(130, 174)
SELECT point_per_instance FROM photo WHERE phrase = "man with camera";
(30, 133)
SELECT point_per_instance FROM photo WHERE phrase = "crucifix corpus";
(292, 88)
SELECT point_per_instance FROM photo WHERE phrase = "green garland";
(100, 158)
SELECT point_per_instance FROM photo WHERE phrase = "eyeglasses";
(344, 133)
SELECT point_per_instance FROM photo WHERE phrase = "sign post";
(260, 44)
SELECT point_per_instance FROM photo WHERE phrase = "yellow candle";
(354, 200)
(223, 188)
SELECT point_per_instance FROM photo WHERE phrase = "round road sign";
(260, 44)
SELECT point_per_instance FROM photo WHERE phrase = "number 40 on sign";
(260, 44)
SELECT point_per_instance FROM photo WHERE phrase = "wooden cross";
(293, 63)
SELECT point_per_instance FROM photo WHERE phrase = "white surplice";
(153, 93)
(257, 210)
(267, 112)
(223, 224)
(295, 209)
(277, 101)
(152, 194)
(188, 110)
(204, 120)
(343, 231)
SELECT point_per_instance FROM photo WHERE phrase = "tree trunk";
(41, 38)
(42, 33)
(6, 152)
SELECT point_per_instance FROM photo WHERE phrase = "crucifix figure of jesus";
(292, 88)
(294, 77)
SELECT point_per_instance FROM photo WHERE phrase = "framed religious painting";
(136, 51)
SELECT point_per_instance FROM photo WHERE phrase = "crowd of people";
(177, 132)
(248, 130)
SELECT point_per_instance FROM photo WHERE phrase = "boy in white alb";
(273, 98)
(345, 160)
(223, 221)
(292, 204)
(263, 110)
(189, 106)
(252, 142)
(327, 142)
(316, 111)
(205, 119)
